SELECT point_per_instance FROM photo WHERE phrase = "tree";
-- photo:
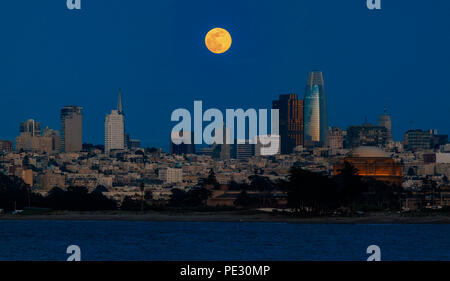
(244, 200)
(351, 184)
(129, 204)
(178, 197)
(148, 195)
(264, 186)
(211, 179)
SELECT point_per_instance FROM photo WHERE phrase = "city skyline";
(296, 104)
(363, 73)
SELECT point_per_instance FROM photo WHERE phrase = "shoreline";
(229, 216)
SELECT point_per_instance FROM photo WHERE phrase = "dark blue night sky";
(154, 50)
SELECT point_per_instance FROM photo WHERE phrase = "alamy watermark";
(375, 253)
(76, 4)
(218, 132)
(73, 4)
(75, 253)
(374, 4)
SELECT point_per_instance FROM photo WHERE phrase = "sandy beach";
(233, 216)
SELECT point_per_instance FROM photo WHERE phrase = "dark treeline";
(308, 193)
(15, 194)
(311, 193)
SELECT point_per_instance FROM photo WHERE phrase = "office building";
(290, 121)
(36, 144)
(32, 140)
(170, 175)
(385, 121)
(30, 127)
(55, 138)
(315, 111)
(417, 140)
(72, 129)
(114, 132)
(336, 138)
(6, 146)
(366, 135)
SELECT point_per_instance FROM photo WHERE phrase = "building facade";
(374, 163)
(170, 175)
(30, 127)
(366, 135)
(72, 129)
(385, 122)
(315, 110)
(336, 138)
(291, 121)
(417, 140)
(114, 131)
(6, 146)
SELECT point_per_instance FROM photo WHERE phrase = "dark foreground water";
(172, 241)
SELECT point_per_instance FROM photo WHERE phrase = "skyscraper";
(115, 128)
(291, 121)
(72, 129)
(315, 110)
(31, 128)
(385, 121)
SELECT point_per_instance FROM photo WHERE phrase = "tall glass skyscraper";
(315, 110)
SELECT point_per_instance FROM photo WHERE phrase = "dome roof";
(368, 152)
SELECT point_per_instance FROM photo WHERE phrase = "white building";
(171, 175)
(114, 131)
(443, 158)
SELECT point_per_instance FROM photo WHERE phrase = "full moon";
(218, 40)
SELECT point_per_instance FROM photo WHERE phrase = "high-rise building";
(366, 135)
(55, 137)
(291, 121)
(417, 140)
(115, 138)
(72, 129)
(6, 146)
(336, 138)
(114, 132)
(37, 144)
(30, 127)
(437, 140)
(385, 121)
(315, 110)
(32, 140)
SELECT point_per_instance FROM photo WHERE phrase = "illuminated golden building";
(291, 121)
(373, 162)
